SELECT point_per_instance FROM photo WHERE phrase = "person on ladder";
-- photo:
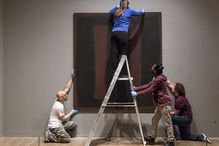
(162, 101)
(119, 37)
(60, 125)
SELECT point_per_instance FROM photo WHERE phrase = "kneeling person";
(60, 125)
(182, 116)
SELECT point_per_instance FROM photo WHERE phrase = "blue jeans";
(184, 124)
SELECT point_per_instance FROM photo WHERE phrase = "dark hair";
(180, 89)
(158, 69)
(121, 3)
(121, 9)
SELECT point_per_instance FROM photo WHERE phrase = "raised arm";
(170, 85)
(68, 86)
(136, 13)
(69, 83)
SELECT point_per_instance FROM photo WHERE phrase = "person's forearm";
(67, 117)
(170, 85)
(143, 86)
(136, 13)
(68, 86)
(146, 90)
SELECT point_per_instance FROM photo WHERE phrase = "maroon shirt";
(158, 86)
(184, 107)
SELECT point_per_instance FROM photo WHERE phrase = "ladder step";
(125, 78)
(119, 104)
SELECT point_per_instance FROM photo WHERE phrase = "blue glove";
(133, 93)
(73, 112)
(118, 5)
(73, 73)
(142, 10)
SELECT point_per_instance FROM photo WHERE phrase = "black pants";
(183, 124)
(119, 47)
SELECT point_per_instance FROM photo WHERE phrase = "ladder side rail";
(139, 121)
(129, 74)
(135, 102)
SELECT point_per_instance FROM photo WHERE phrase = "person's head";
(157, 69)
(179, 90)
(61, 96)
(124, 4)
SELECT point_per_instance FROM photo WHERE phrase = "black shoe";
(170, 144)
(178, 139)
(149, 140)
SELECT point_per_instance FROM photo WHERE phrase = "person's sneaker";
(49, 137)
(46, 137)
(149, 140)
(170, 144)
(178, 139)
(205, 138)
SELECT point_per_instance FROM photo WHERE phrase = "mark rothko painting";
(91, 37)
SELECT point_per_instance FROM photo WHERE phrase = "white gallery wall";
(1, 68)
(38, 58)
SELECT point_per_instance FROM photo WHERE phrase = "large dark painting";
(93, 64)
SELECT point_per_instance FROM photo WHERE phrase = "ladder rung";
(125, 78)
(119, 104)
(111, 105)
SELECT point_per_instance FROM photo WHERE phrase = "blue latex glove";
(73, 112)
(142, 10)
(118, 5)
(73, 73)
(133, 93)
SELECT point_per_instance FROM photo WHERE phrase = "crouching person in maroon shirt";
(162, 102)
(182, 116)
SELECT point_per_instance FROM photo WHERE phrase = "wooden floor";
(34, 141)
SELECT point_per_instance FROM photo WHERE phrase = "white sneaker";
(205, 138)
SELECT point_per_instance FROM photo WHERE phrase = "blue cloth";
(73, 112)
(122, 23)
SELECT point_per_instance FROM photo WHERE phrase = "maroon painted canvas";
(93, 64)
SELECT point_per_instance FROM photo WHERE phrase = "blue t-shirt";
(122, 23)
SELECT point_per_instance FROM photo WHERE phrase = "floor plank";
(33, 141)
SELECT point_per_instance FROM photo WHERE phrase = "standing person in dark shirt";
(119, 37)
(162, 102)
(182, 116)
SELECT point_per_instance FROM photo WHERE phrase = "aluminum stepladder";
(107, 96)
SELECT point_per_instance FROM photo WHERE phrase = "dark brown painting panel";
(93, 64)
